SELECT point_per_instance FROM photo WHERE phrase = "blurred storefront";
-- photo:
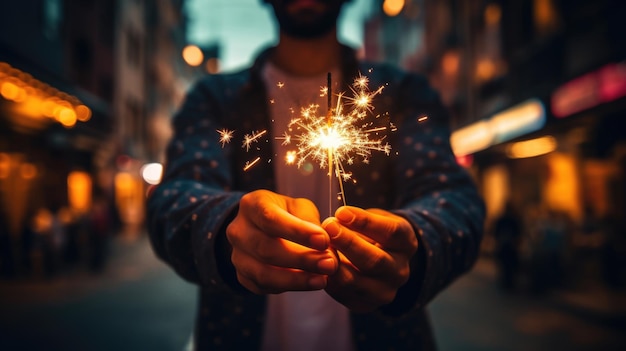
(83, 87)
(537, 90)
(51, 133)
(565, 178)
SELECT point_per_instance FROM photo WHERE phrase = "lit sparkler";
(331, 140)
(340, 135)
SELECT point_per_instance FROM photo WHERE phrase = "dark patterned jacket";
(420, 180)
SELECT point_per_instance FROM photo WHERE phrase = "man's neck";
(306, 57)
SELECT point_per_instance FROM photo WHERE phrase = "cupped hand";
(279, 245)
(375, 248)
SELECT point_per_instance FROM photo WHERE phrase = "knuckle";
(394, 229)
(263, 286)
(246, 283)
(403, 275)
(361, 222)
(347, 242)
(232, 233)
(266, 215)
(301, 202)
(413, 246)
(264, 251)
(386, 297)
(348, 280)
(247, 200)
(262, 283)
(234, 258)
(376, 263)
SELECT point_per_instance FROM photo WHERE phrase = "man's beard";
(307, 24)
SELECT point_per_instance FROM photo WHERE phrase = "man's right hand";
(279, 245)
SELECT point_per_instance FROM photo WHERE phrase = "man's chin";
(307, 18)
(306, 5)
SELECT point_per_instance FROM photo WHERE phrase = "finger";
(390, 231)
(270, 218)
(358, 292)
(304, 209)
(266, 279)
(286, 254)
(279, 252)
(367, 258)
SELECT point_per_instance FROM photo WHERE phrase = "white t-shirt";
(308, 320)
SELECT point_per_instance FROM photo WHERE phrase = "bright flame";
(328, 138)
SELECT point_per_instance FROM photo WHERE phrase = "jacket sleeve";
(436, 195)
(188, 211)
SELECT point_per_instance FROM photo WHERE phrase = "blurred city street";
(532, 94)
(138, 303)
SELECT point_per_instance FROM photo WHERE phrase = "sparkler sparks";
(225, 136)
(248, 139)
(249, 164)
(331, 140)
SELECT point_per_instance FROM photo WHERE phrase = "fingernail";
(326, 265)
(332, 228)
(317, 282)
(345, 215)
(319, 242)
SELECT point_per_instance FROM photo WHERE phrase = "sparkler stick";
(329, 112)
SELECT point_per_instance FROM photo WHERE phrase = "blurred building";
(85, 91)
(538, 93)
(53, 119)
(423, 36)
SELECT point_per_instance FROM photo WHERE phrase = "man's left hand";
(375, 248)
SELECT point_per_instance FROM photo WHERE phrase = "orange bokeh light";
(193, 55)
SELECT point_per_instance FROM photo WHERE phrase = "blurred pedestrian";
(99, 234)
(273, 275)
(507, 232)
(614, 250)
(48, 241)
(7, 257)
(549, 247)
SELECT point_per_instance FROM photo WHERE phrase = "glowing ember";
(225, 136)
(290, 157)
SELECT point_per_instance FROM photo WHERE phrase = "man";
(507, 234)
(271, 275)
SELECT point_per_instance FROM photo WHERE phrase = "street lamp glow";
(393, 7)
(152, 173)
(193, 55)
